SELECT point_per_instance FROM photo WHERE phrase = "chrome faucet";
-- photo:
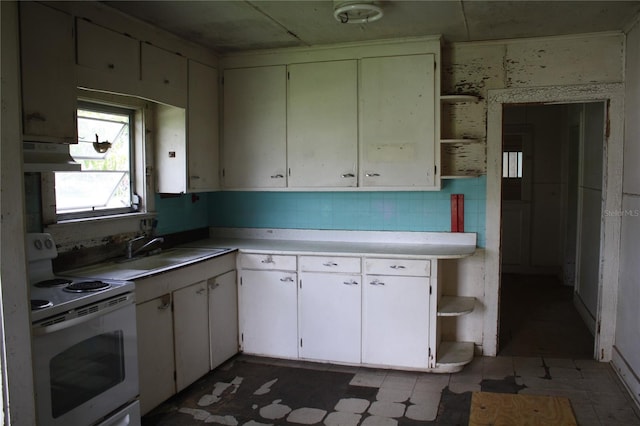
(130, 252)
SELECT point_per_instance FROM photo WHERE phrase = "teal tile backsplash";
(371, 211)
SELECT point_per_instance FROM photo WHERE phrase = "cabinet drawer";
(404, 267)
(330, 264)
(268, 262)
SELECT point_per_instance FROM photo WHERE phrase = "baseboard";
(627, 376)
(588, 319)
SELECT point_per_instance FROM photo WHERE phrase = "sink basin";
(138, 267)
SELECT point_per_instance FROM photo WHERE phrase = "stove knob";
(48, 243)
(37, 244)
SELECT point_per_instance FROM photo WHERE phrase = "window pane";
(105, 180)
(513, 164)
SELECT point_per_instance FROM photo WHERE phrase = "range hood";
(48, 157)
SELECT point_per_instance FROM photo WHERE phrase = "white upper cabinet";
(107, 60)
(397, 122)
(202, 128)
(255, 117)
(163, 75)
(48, 74)
(322, 124)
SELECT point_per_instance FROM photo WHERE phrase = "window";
(105, 151)
(512, 164)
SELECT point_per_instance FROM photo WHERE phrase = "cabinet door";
(223, 318)
(155, 352)
(170, 146)
(395, 321)
(163, 75)
(322, 124)
(268, 313)
(254, 144)
(397, 116)
(107, 59)
(330, 317)
(48, 74)
(202, 130)
(191, 330)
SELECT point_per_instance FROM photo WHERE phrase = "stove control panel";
(40, 246)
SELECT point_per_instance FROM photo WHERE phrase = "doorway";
(551, 201)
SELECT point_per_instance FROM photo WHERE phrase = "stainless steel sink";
(138, 267)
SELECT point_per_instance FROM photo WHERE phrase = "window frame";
(134, 198)
(90, 231)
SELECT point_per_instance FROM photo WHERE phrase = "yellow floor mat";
(501, 409)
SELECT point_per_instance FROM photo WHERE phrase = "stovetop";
(52, 294)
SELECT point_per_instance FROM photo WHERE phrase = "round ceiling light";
(356, 13)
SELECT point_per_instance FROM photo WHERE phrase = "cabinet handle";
(376, 282)
(195, 177)
(352, 282)
(278, 176)
(166, 81)
(111, 66)
(372, 174)
(267, 260)
(397, 267)
(286, 280)
(348, 175)
(214, 286)
(201, 290)
(330, 264)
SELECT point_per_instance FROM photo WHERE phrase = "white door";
(330, 317)
(395, 321)
(269, 313)
(223, 318)
(397, 121)
(191, 330)
(255, 127)
(154, 322)
(322, 124)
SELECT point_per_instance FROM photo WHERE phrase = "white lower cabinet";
(395, 321)
(374, 311)
(187, 324)
(191, 333)
(269, 313)
(155, 351)
(329, 306)
(223, 318)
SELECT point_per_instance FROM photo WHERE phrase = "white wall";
(590, 211)
(627, 337)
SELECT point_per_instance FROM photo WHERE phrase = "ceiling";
(239, 25)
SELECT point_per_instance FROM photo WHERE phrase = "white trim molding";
(613, 95)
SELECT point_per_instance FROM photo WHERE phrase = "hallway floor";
(538, 318)
(546, 350)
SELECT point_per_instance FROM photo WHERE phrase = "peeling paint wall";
(478, 67)
(627, 338)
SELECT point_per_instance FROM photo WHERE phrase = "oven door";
(86, 367)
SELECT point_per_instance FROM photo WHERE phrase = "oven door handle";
(41, 330)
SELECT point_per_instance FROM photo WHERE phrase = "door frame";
(613, 95)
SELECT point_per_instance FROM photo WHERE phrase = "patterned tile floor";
(408, 398)
(545, 351)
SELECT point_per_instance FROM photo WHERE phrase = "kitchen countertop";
(439, 245)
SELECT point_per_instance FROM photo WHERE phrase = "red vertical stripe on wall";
(457, 212)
